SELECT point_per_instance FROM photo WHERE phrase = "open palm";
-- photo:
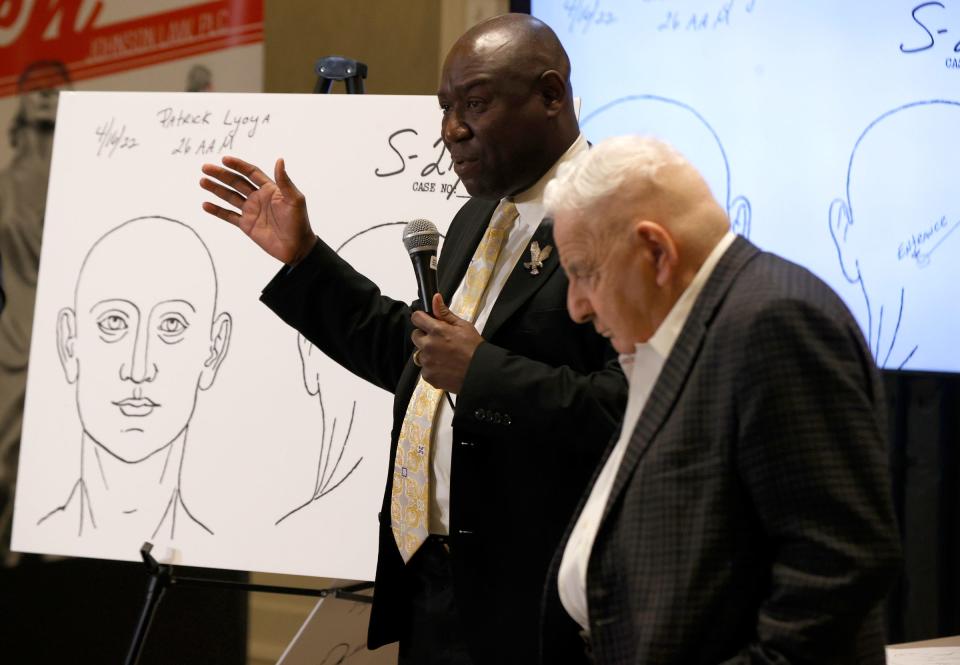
(273, 213)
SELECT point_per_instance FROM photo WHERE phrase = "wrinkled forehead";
(576, 232)
(147, 262)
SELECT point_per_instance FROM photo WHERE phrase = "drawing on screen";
(685, 129)
(142, 339)
(316, 365)
(894, 230)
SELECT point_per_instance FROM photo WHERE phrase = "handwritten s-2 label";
(112, 137)
(931, 20)
(439, 163)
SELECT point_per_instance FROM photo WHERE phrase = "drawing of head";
(144, 335)
(336, 389)
(894, 233)
(686, 130)
(363, 250)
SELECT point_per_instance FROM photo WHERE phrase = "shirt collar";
(666, 335)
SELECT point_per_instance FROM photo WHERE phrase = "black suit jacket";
(540, 400)
(750, 520)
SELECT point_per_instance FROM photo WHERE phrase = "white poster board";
(148, 326)
(828, 129)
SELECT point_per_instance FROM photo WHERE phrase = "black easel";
(337, 68)
(162, 576)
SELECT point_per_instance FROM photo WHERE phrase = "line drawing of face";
(685, 129)
(894, 232)
(143, 337)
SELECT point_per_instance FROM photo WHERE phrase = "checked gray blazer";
(750, 520)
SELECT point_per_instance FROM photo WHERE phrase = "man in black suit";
(479, 493)
(744, 514)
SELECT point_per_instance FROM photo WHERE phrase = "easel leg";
(158, 583)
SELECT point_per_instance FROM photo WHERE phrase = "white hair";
(596, 175)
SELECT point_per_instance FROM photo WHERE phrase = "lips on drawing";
(136, 406)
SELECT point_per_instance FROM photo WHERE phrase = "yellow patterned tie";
(409, 504)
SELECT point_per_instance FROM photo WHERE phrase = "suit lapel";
(521, 284)
(677, 368)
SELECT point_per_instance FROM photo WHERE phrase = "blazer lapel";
(674, 374)
(521, 284)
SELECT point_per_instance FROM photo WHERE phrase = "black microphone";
(421, 239)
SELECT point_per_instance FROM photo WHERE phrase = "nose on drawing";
(139, 369)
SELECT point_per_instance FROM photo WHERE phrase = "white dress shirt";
(530, 206)
(642, 369)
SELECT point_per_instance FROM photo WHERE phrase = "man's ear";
(741, 215)
(311, 380)
(67, 343)
(841, 223)
(219, 343)
(553, 90)
(662, 249)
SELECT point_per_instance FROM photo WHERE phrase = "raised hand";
(272, 212)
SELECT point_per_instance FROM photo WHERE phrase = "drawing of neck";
(130, 496)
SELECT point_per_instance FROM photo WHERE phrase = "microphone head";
(420, 235)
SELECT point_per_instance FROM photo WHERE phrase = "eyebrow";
(480, 79)
(112, 300)
(179, 300)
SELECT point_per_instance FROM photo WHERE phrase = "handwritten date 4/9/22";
(112, 137)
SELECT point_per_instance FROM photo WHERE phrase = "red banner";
(68, 30)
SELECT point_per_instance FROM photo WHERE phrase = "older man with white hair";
(744, 513)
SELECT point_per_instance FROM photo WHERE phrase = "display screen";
(830, 132)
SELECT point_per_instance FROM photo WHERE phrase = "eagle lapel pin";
(537, 257)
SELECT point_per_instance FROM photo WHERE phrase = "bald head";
(523, 44)
(150, 258)
(507, 103)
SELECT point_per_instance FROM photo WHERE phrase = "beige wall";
(397, 39)
(403, 43)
